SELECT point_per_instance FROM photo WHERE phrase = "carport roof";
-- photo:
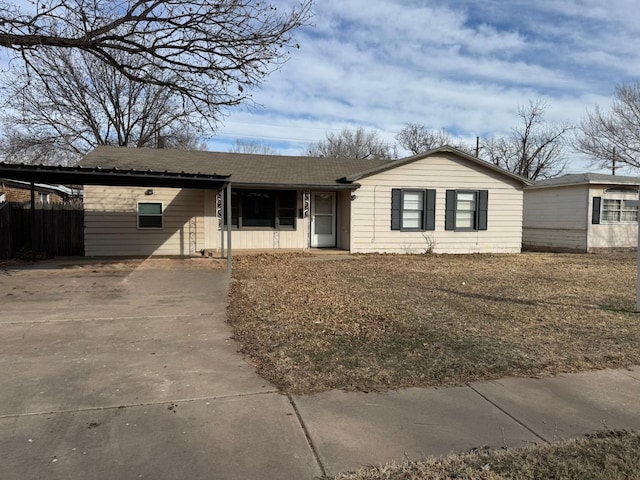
(82, 175)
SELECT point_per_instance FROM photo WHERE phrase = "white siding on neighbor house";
(556, 218)
(111, 222)
(611, 235)
(371, 210)
(554, 239)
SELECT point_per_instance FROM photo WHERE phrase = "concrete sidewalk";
(350, 430)
(126, 371)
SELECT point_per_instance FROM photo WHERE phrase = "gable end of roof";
(444, 149)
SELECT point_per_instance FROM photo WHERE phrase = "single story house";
(20, 192)
(581, 213)
(443, 201)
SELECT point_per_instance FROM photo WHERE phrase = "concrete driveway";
(126, 370)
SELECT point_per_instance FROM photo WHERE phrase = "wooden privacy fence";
(59, 230)
(5, 230)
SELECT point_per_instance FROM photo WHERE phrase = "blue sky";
(461, 65)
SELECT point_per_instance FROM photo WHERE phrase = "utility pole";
(613, 162)
(477, 147)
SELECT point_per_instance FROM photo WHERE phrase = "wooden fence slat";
(59, 230)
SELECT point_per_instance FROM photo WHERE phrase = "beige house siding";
(344, 220)
(111, 222)
(269, 239)
(371, 210)
(611, 235)
(556, 218)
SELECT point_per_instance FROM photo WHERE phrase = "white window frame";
(619, 210)
(473, 212)
(161, 215)
(421, 220)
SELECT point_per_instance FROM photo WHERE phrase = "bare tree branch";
(73, 102)
(216, 49)
(600, 132)
(358, 143)
(419, 139)
(251, 146)
(533, 150)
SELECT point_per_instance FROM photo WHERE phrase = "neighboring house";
(20, 192)
(444, 201)
(581, 212)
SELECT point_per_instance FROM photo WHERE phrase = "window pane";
(287, 217)
(466, 201)
(464, 219)
(609, 204)
(323, 204)
(629, 216)
(150, 209)
(411, 219)
(287, 211)
(154, 221)
(465, 209)
(324, 225)
(412, 201)
(610, 216)
(258, 209)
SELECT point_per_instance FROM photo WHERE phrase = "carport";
(120, 178)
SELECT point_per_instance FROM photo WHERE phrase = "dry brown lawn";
(377, 322)
(603, 456)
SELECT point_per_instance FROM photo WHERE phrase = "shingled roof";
(267, 171)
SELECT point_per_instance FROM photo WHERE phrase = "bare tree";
(251, 146)
(358, 143)
(215, 49)
(419, 139)
(614, 135)
(74, 102)
(534, 150)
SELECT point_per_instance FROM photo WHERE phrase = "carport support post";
(33, 222)
(228, 207)
(222, 202)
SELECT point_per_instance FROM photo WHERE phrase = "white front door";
(323, 219)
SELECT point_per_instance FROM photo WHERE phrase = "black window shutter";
(483, 203)
(396, 213)
(595, 217)
(430, 210)
(450, 210)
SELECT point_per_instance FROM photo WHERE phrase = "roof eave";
(586, 182)
(283, 186)
(113, 177)
(444, 149)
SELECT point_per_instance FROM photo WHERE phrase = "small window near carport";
(150, 215)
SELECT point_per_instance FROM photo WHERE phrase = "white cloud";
(462, 65)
